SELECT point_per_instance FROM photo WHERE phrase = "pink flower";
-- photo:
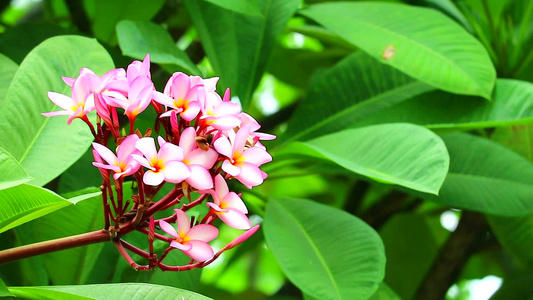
(228, 205)
(192, 241)
(217, 113)
(246, 119)
(79, 104)
(97, 84)
(198, 160)
(242, 162)
(165, 165)
(123, 164)
(137, 68)
(181, 93)
(139, 97)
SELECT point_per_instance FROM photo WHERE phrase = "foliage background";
(396, 120)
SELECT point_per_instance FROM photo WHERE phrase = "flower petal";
(250, 175)
(180, 86)
(200, 251)
(203, 232)
(188, 140)
(62, 101)
(153, 178)
(192, 111)
(127, 147)
(163, 99)
(200, 178)
(147, 147)
(223, 146)
(182, 247)
(232, 200)
(203, 158)
(230, 168)
(221, 186)
(235, 218)
(168, 228)
(170, 152)
(183, 222)
(176, 172)
(256, 156)
(105, 153)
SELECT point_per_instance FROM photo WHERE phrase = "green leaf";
(512, 103)
(486, 177)
(23, 203)
(403, 154)
(8, 68)
(237, 45)
(400, 235)
(12, 172)
(130, 291)
(326, 252)
(247, 7)
(516, 236)
(71, 266)
(350, 91)
(16, 48)
(136, 39)
(107, 14)
(4, 291)
(420, 42)
(45, 147)
(384, 292)
(449, 8)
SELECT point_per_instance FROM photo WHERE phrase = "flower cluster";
(206, 140)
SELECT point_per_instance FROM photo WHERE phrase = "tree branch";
(461, 244)
(88, 238)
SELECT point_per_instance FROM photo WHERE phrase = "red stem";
(53, 245)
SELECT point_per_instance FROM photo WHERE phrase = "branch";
(88, 238)
(461, 244)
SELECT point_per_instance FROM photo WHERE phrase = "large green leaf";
(348, 92)
(410, 248)
(512, 103)
(384, 292)
(4, 292)
(107, 14)
(486, 177)
(23, 203)
(237, 45)
(45, 147)
(421, 42)
(403, 154)
(249, 7)
(7, 72)
(326, 252)
(12, 172)
(16, 48)
(516, 235)
(71, 266)
(136, 39)
(129, 291)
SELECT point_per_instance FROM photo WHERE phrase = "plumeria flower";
(123, 164)
(114, 80)
(246, 119)
(165, 165)
(181, 94)
(192, 241)
(78, 105)
(137, 68)
(228, 205)
(199, 161)
(139, 97)
(242, 162)
(219, 113)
